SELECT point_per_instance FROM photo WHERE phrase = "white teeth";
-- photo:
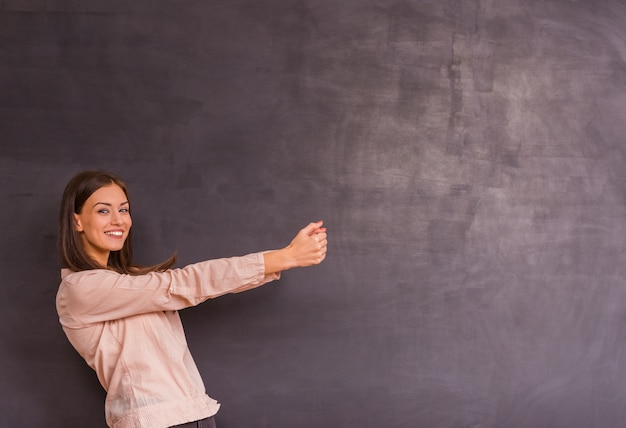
(114, 233)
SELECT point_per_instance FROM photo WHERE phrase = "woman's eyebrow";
(109, 204)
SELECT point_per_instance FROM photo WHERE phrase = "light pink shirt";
(128, 330)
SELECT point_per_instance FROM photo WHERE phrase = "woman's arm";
(308, 248)
(99, 295)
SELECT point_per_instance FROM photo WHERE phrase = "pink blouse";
(128, 330)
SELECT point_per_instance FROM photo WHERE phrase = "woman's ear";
(77, 225)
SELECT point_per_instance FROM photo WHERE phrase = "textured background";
(467, 157)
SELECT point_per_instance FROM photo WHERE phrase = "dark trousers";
(203, 423)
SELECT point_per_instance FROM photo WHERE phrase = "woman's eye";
(124, 210)
(103, 211)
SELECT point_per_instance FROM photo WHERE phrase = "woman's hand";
(308, 248)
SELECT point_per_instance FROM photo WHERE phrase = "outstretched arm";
(308, 248)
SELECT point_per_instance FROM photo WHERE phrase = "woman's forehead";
(109, 193)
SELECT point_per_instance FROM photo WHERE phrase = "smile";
(115, 233)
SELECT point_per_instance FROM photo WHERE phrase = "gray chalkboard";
(466, 156)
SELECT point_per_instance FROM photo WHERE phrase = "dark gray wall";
(467, 156)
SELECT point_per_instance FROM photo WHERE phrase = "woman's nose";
(116, 218)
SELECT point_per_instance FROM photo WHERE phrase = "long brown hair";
(70, 245)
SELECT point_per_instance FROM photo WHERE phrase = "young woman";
(122, 318)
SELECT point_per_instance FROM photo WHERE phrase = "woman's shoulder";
(69, 276)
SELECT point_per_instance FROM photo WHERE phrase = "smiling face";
(104, 222)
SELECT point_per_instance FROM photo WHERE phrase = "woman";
(122, 318)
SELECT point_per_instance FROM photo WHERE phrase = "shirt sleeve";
(100, 295)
